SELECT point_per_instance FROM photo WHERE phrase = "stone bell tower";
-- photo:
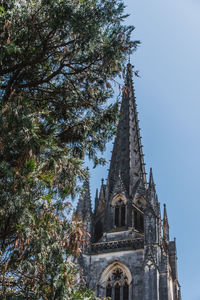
(130, 255)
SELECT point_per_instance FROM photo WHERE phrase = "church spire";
(127, 157)
(84, 208)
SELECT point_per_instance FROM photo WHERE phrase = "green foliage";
(57, 59)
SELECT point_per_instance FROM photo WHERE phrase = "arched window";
(117, 286)
(138, 214)
(138, 220)
(120, 213)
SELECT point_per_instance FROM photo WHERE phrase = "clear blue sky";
(168, 98)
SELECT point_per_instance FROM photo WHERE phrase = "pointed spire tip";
(165, 214)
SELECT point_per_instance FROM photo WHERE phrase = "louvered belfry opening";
(138, 220)
(120, 214)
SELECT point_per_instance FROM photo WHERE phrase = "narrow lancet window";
(138, 220)
(125, 291)
(123, 215)
(120, 214)
(117, 291)
(109, 291)
(117, 224)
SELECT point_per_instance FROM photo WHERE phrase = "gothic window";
(123, 215)
(117, 216)
(120, 213)
(117, 287)
(138, 220)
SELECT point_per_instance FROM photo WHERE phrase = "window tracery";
(117, 287)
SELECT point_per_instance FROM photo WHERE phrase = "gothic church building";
(130, 255)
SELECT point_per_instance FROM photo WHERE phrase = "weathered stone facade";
(130, 256)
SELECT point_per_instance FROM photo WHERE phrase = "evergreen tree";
(57, 62)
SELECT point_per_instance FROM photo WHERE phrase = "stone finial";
(165, 225)
(102, 190)
(84, 207)
(96, 200)
(151, 181)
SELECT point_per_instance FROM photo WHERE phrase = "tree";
(57, 61)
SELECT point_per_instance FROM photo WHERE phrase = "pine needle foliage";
(57, 62)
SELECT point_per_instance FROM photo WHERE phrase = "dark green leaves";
(58, 59)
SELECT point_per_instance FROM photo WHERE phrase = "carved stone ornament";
(119, 187)
(150, 258)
